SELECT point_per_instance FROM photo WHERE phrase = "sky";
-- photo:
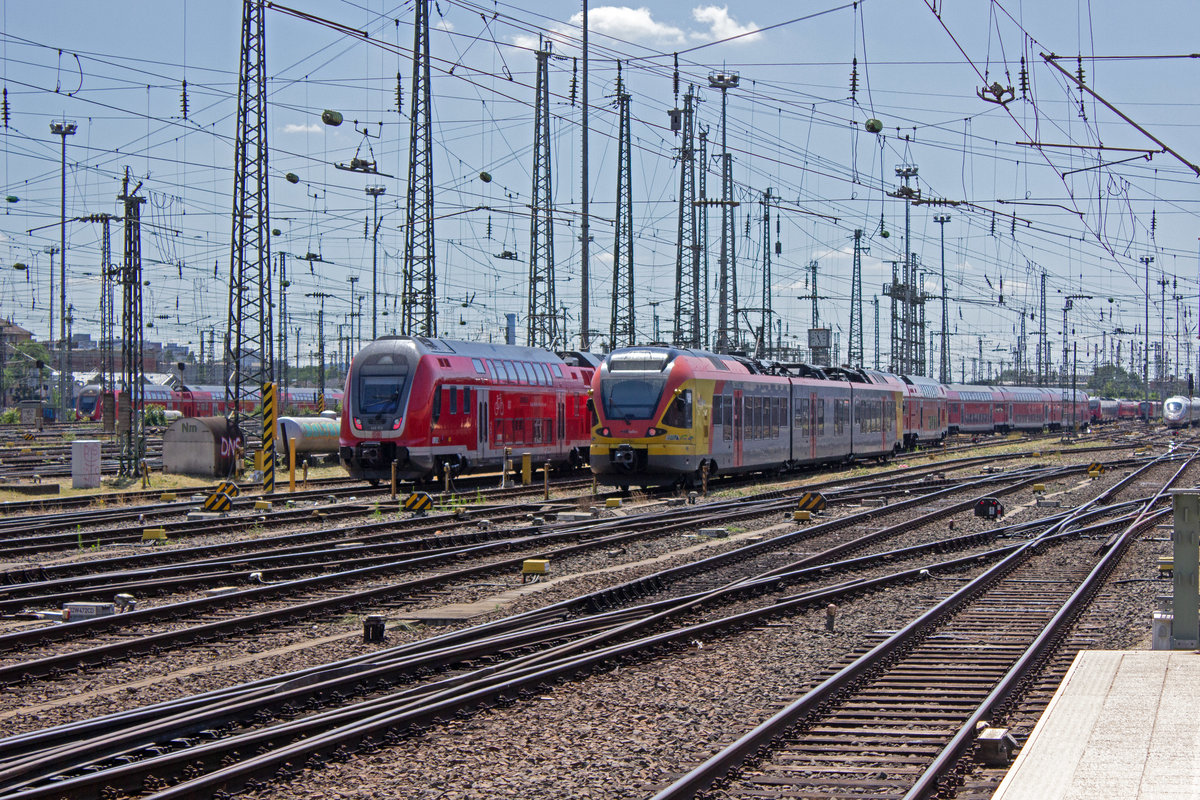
(1027, 187)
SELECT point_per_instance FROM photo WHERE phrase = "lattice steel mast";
(854, 354)
(764, 347)
(687, 250)
(130, 423)
(419, 301)
(727, 305)
(250, 349)
(702, 234)
(621, 332)
(542, 330)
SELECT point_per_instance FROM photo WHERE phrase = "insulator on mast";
(854, 80)
(1023, 78)
(183, 101)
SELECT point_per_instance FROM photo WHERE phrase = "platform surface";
(1121, 727)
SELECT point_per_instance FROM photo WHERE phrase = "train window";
(546, 379)
(380, 394)
(679, 413)
(530, 375)
(453, 400)
(820, 418)
(478, 365)
(631, 398)
(727, 417)
(510, 371)
(466, 401)
(557, 370)
(437, 405)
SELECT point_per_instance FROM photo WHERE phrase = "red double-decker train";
(428, 404)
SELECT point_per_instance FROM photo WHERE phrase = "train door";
(561, 433)
(812, 425)
(482, 443)
(738, 418)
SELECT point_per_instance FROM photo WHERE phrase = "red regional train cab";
(424, 403)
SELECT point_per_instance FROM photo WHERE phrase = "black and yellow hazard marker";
(418, 502)
(270, 406)
(320, 402)
(811, 501)
(228, 487)
(218, 501)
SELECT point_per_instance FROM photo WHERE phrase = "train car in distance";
(201, 401)
(1181, 412)
(429, 404)
(1128, 409)
(667, 415)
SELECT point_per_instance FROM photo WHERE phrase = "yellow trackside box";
(612, 502)
(152, 534)
(535, 566)
(801, 516)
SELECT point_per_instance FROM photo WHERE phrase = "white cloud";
(721, 25)
(619, 22)
(444, 25)
(630, 24)
(294, 127)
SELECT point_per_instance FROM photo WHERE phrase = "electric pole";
(687, 249)
(584, 223)
(622, 326)
(766, 276)
(63, 129)
(944, 360)
(250, 355)
(131, 409)
(542, 329)
(419, 310)
(854, 354)
(727, 293)
(1146, 262)
(374, 192)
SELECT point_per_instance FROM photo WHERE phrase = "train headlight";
(357, 423)
(605, 432)
(651, 431)
(396, 425)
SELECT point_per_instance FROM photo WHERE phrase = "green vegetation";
(156, 415)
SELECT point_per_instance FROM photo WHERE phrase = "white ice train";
(1180, 411)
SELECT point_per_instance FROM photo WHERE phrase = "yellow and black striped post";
(270, 406)
(320, 402)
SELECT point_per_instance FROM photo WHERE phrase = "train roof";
(424, 345)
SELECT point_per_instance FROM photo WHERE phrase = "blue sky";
(792, 127)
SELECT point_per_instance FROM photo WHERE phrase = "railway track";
(896, 721)
(147, 760)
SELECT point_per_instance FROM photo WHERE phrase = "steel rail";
(1035, 653)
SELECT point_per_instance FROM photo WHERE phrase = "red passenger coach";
(427, 403)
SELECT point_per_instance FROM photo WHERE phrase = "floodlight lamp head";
(723, 80)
